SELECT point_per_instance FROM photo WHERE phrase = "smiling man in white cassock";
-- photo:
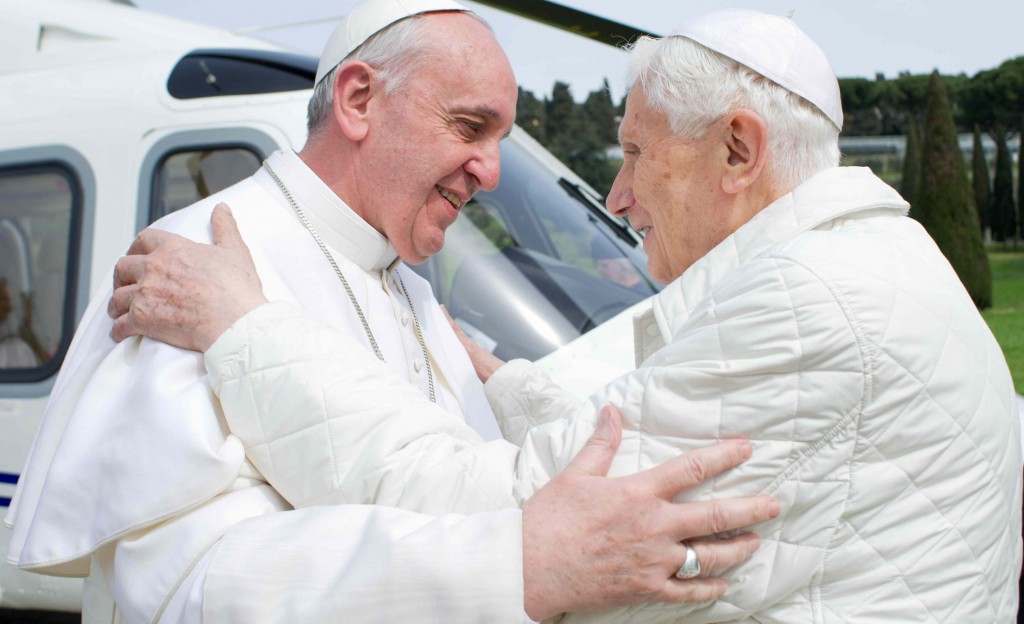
(135, 481)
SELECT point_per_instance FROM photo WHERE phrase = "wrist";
(538, 588)
(485, 364)
(213, 331)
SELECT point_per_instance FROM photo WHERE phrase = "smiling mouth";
(452, 198)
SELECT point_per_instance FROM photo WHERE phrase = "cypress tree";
(1004, 219)
(575, 140)
(560, 120)
(944, 201)
(600, 112)
(530, 115)
(1020, 179)
(980, 181)
(911, 163)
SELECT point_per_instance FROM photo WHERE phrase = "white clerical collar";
(338, 225)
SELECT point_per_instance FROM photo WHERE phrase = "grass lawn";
(1006, 316)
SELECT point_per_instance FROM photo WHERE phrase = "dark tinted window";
(212, 73)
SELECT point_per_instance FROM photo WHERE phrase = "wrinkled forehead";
(641, 118)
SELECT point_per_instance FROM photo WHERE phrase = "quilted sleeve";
(357, 563)
(522, 396)
(325, 422)
(769, 355)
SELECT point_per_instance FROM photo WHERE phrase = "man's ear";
(746, 139)
(354, 89)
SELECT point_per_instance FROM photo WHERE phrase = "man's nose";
(620, 198)
(485, 166)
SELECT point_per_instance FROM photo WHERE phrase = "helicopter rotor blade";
(571, 20)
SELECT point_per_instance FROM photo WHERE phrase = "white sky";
(860, 37)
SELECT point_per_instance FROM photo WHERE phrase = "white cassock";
(135, 479)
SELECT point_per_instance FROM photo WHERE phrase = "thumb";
(595, 458)
(225, 229)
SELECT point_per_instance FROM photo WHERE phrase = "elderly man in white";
(135, 480)
(804, 310)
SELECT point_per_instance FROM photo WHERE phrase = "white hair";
(396, 52)
(694, 86)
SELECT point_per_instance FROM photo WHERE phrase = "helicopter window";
(213, 73)
(37, 241)
(185, 177)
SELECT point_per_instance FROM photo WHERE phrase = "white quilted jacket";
(829, 330)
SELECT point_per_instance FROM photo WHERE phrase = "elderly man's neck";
(754, 199)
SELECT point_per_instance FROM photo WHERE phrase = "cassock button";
(417, 365)
(405, 318)
(652, 330)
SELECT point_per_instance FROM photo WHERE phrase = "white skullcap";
(774, 47)
(368, 18)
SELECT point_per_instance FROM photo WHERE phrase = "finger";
(121, 301)
(696, 466)
(225, 228)
(717, 556)
(129, 270)
(145, 241)
(718, 516)
(123, 327)
(596, 455)
(692, 590)
(149, 239)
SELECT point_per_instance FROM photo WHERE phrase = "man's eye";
(472, 127)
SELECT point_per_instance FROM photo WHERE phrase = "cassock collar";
(338, 225)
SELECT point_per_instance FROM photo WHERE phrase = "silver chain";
(348, 289)
(419, 337)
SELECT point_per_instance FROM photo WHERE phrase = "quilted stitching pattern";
(880, 409)
(327, 423)
(522, 397)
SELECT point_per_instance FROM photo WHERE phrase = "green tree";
(944, 202)
(995, 97)
(576, 141)
(980, 182)
(560, 119)
(904, 101)
(861, 106)
(1020, 178)
(1004, 217)
(600, 113)
(881, 106)
(530, 115)
(911, 164)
